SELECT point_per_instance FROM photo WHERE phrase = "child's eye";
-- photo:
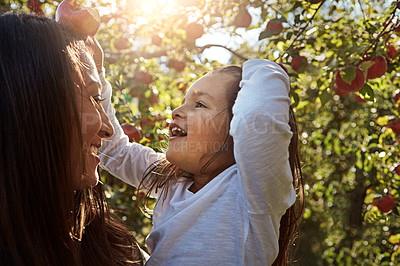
(98, 99)
(200, 105)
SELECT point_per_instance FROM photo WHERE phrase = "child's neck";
(199, 182)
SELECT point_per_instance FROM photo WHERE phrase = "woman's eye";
(200, 105)
(98, 99)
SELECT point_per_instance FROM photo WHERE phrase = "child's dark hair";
(163, 173)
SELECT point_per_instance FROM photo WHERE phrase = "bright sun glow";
(166, 6)
(152, 9)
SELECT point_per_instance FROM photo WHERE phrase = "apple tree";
(342, 59)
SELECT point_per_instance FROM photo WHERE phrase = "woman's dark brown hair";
(44, 220)
(163, 173)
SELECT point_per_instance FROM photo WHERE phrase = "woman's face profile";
(95, 123)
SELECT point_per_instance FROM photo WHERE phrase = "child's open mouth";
(176, 131)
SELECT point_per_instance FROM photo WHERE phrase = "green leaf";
(383, 120)
(367, 92)
(365, 65)
(267, 34)
(325, 97)
(394, 239)
(348, 74)
(296, 98)
(372, 215)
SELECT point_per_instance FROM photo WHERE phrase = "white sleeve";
(261, 136)
(125, 160)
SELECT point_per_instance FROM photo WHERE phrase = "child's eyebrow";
(200, 93)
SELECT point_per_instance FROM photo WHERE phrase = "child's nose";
(177, 113)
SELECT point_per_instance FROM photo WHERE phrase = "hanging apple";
(341, 92)
(394, 124)
(122, 44)
(299, 64)
(391, 51)
(378, 67)
(84, 20)
(274, 26)
(396, 96)
(156, 40)
(386, 203)
(194, 31)
(350, 78)
(133, 132)
(35, 7)
(182, 85)
(153, 98)
(242, 19)
(176, 64)
(397, 170)
(359, 99)
(143, 77)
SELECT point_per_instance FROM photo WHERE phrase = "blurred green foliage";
(349, 154)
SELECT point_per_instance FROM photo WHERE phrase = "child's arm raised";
(127, 161)
(261, 136)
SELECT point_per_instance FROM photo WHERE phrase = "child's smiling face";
(200, 126)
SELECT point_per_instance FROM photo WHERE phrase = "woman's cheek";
(91, 122)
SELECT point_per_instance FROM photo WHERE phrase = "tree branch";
(165, 52)
(301, 31)
(226, 48)
(383, 32)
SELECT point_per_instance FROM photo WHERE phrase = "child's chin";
(171, 156)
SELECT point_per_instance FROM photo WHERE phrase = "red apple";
(176, 64)
(35, 7)
(359, 99)
(391, 51)
(378, 68)
(242, 19)
(133, 133)
(394, 124)
(153, 98)
(122, 44)
(397, 170)
(194, 31)
(135, 92)
(156, 40)
(386, 203)
(341, 92)
(182, 86)
(147, 121)
(396, 96)
(84, 20)
(356, 84)
(299, 63)
(143, 77)
(273, 25)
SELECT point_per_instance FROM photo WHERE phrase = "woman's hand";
(98, 55)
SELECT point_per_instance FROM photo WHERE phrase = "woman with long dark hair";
(52, 208)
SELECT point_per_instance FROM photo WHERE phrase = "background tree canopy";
(349, 136)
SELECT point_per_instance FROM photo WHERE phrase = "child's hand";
(97, 52)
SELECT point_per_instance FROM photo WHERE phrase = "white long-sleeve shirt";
(235, 218)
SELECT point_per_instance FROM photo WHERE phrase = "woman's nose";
(107, 129)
